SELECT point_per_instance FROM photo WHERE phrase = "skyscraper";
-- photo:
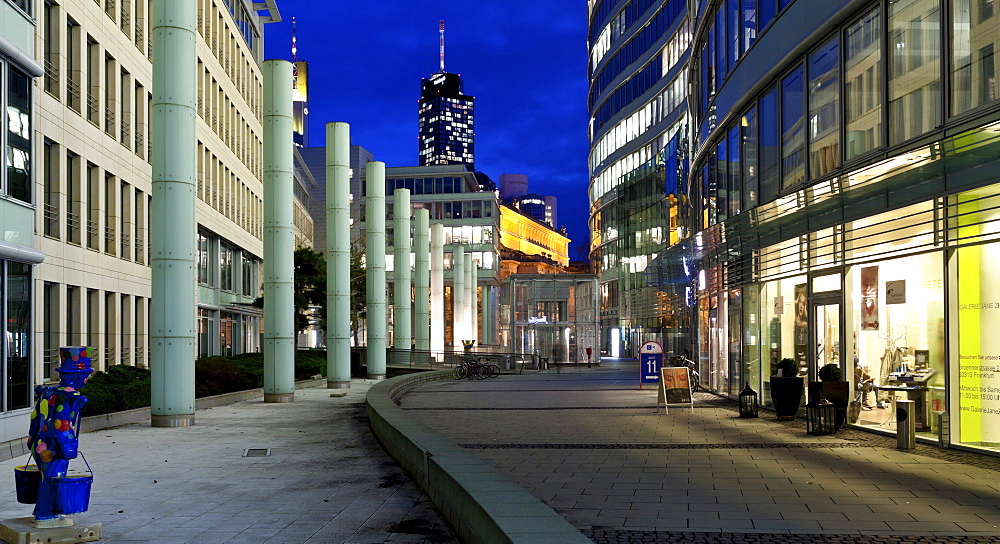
(446, 125)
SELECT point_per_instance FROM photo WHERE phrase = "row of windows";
(633, 88)
(427, 186)
(228, 122)
(94, 77)
(114, 326)
(635, 48)
(227, 333)
(628, 129)
(85, 205)
(223, 190)
(809, 123)
(238, 63)
(733, 27)
(223, 265)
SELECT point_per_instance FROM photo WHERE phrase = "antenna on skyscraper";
(441, 31)
(294, 39)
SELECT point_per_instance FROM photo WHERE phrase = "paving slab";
(704, 471)
(326, 479)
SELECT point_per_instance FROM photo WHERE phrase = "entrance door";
(826, 336)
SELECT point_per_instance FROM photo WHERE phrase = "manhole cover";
(256, 452)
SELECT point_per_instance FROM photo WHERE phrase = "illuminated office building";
(446, 122)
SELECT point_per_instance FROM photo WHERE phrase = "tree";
(310, 287)
(359, 288)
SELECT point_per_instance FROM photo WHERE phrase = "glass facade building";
(844, 204)
(446, 122)
(638, 114)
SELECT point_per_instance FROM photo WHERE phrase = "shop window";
(784, 330)
(15, 388)
(974, 35)
(895, 333)
(903, 230)
(914, 65)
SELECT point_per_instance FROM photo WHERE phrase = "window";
(973, 77)
(793, 141)
(203, 271)
(914, 64)
(15, 389)
(769, 146)
(824, 109)
(226, 254)
(863, 84)
(50, 206)
(749, 128)
(733, 180)
(18, 120)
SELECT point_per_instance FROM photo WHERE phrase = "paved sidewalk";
(326, 479)
(592, 446)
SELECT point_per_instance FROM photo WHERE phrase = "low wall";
(481, 504)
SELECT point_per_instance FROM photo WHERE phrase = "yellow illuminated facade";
(520, 233)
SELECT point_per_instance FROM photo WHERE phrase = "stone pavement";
(591, 445)
(325, 480)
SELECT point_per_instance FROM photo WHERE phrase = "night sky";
(524, 61)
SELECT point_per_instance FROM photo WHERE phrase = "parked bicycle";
(693, 376)
(480, 369)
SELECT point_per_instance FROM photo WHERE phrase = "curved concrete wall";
(481, 504)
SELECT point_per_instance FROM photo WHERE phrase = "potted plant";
(786, 389)
(835, 388)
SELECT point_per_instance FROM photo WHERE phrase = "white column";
(402, 323)
(338, 255)
(437, 290)
(470, 298)
(458, 295)
(172, 319)
(421, 280)
(375, 269)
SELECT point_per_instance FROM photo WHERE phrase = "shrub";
(217, 375)
(831, 373)
(787, 368)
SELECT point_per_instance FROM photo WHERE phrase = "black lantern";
(821, 416)
(748, 402)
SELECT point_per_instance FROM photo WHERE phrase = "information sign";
(650, 362)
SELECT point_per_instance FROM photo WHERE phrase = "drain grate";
(748, 445)
(257, 452)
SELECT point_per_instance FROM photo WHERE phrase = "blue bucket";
(26, 479)
(72, 493)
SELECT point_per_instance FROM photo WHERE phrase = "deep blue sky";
(524, 61)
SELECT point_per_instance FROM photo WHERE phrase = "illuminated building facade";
(638, 114)
(530, 246)
(446, 122)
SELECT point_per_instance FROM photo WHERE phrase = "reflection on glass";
(749, 129)
(18, 335)
(824, 109)
(863, 84)
(914, 68)
(733, 180)
(793, 141)
(19, 135)
(975, 34)
(769, 146)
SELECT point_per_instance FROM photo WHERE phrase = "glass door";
(826, 340)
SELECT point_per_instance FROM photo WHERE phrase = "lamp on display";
(821, 416)
(748, 402)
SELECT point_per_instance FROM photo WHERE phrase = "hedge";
(124, 387)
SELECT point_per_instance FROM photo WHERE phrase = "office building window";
(769, 146)
(863, 84)
(203, 269)
(18, 121)
(226, 267)
(793, 140)
(974, 35)
(914, 67)
(824, 109)
(15, 389)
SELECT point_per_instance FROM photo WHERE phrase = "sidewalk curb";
(481, 504)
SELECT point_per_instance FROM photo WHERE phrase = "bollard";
(906, 428)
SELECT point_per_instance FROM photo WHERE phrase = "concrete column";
(402, 323)
(486, 311)
(470, 298)
(458, 294)
(279, 235)
(437, 290)
(375, 269)
(338, 255)
(421, 280)
(174, 229)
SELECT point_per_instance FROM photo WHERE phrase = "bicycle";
(471, 368)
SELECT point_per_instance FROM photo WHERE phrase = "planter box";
(786, 394)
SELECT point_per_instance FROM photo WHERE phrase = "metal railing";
(51, 214)
(140, 32)
(140, 143)
(93, 108)
(109, 8)
(73, 94)
(126, 131)
(139, 250)
(51, 78)
(434, 360)
(109, 120)
(109, 357)
(73, 227)
(126, 245)
(50, 362)
(109, 240)
(93, 234)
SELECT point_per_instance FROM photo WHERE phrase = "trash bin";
(906, 425)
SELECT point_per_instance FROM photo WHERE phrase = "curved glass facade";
(637, 104)
(842, 197)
